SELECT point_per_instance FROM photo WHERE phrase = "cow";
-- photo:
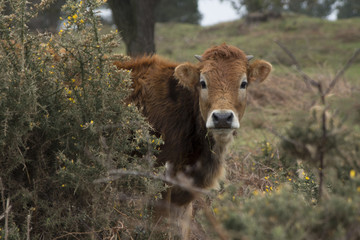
(196, 108)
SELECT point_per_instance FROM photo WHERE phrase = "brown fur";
(171, 98)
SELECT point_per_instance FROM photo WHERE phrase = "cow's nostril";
(230, 117)
(222, 119)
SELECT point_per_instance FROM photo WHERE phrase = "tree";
(185, 11)
(261, 6)
(314, 8)
(47, 17)
(349, 9)
(135, 19)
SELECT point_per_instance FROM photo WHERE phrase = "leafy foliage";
(65, 122)
(313, 8)
(178, 11)
(349, 9)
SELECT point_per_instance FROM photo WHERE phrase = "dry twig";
(321, 147)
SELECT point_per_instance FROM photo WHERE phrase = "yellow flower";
(69, 17)
(289, 179)
(82, 21)
(91, 122)
(75, 16)
(63, 185)
(216, 210)
(307, 178)
(352, 173)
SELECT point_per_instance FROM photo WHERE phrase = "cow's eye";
(203, 84)
(243, 85)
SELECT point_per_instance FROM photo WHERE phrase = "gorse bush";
(64, 123)
(281, 200)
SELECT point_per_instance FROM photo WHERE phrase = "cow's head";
(221, 78)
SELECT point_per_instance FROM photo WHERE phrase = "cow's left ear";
(259, 70)
(187, 74)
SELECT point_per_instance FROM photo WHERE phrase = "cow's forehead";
(229, 68)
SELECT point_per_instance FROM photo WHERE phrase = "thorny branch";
(321, 147)
(307, 79)
(118, 173)
(342, 71)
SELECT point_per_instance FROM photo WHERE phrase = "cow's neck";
(217, 156)
(210, 166)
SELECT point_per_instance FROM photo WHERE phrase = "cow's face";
(221, 80)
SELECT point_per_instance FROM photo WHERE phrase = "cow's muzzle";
(222, 119)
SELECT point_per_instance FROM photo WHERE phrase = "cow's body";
(186, 111)
(173, 111)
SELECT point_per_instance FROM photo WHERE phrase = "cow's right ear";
(187, 74)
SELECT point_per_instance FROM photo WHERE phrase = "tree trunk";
(135, 21)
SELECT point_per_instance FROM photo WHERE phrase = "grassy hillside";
(315, 42)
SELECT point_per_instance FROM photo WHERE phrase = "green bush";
(64, 123)
(282, 198)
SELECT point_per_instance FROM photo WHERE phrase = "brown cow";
(196, 108)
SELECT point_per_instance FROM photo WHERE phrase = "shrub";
(65, 122)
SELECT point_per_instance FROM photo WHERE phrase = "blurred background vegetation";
(65, 125)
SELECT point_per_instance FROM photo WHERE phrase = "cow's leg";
(186, 222)
(180, 219)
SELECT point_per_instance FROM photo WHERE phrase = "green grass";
(314, 42)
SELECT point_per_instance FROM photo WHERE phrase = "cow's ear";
(187, 74)
(259, 70)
